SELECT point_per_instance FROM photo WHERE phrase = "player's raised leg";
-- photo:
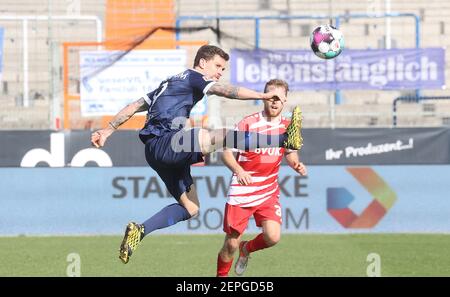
(220, 138)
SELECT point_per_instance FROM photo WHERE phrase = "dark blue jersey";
(171, 103)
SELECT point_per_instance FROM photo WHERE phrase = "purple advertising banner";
(354, 69)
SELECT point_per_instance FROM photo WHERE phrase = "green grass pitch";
(195, 255)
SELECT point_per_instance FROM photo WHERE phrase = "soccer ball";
(327, 42)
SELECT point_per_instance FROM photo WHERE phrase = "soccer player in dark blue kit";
(170, 149)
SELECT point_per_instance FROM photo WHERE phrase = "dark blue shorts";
(171, 156)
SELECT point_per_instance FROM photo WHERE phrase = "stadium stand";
(358, 108)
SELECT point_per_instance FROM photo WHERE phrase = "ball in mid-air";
(327, 42)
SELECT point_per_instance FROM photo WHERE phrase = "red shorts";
(236, 217)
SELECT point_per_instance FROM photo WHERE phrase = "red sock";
(256, 244)
(223, 267)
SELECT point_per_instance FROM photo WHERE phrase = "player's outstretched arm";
(243, 177)
(241, 93)
(294, 162)
(98, 138)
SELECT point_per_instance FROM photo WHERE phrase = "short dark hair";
(208, 52)
(277, 83)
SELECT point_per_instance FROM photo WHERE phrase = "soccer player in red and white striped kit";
(254, 189)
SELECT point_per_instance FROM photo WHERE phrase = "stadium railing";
(414, 99)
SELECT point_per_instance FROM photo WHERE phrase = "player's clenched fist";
(99, 137)
(244, 178)
(300, 168)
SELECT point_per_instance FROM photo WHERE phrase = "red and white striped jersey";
(263, 164)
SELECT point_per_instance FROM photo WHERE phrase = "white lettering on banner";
(369, 149)
(56, 156)
(376, 74)
(91, 154)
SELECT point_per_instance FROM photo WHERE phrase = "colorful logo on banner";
(338, 200)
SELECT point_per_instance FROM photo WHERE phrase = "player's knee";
(272, 239)
(232, 245)
(194, 213)
(193, 210)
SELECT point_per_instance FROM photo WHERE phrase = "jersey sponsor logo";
(272, 151)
